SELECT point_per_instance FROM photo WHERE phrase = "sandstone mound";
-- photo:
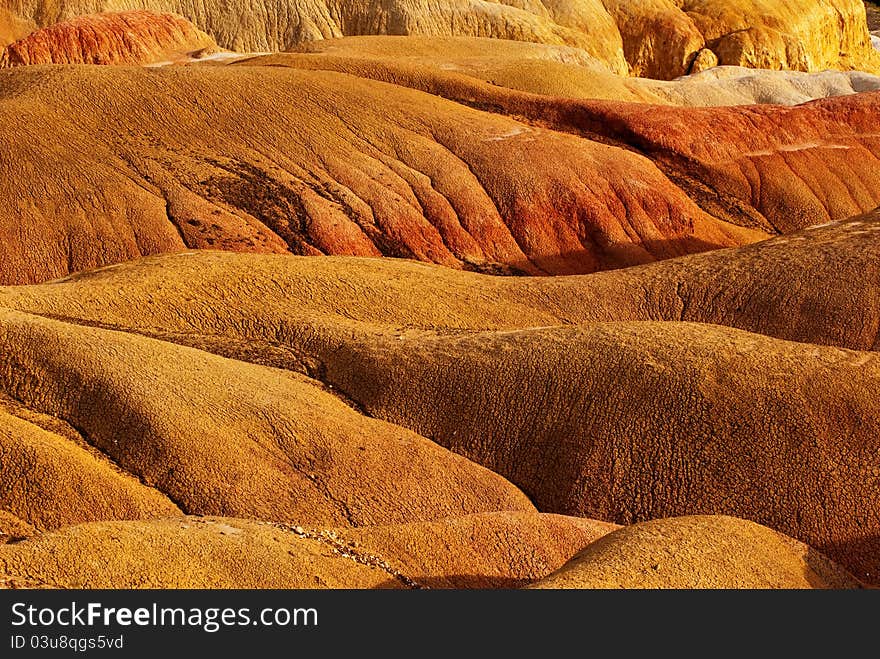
(569, 73)
(182, 553)
(791, 183)
(767, 167)
(490, 550)
(12, 528)
(494, 550)
(765, 177)
(698, 552)
(818, 286)
(52, 478)
(224, 437)
(660, 38)
(352, 167)
(450, 51)
(805, 35)
(372, 169)
(658, 420)
(132, 37)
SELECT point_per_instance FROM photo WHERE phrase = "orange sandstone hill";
(774, 168)
(270, 159)
(806, 35)
(133, 37)
(698, 552)
(487, 550)
(634, 421)
(45, 462)
(277, 446)
(12, 528)
(563, 71)
(279, 159)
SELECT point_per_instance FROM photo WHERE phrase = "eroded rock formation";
(664, 38)
(487, 550)
(698, 552)
(352, 167)
(357, 167)
(568, 72)
(132, 37)
(277, 447)
(660, 38)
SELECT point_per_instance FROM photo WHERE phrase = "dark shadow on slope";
(864, 551)
(610, 256)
